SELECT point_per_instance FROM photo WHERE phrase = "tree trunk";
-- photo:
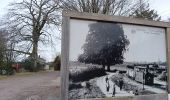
(103, 65)
(35, 54)
(108, 67)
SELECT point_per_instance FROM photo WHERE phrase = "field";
(89, 81)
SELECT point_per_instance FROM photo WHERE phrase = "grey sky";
(147, 44)
(48, 52)
(162, 6)
(4, 4)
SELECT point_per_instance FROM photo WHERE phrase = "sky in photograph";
(147, 44)
(77, 37)
(49, 52)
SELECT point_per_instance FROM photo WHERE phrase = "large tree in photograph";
(105, 45)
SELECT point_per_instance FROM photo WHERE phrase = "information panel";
(108, 59)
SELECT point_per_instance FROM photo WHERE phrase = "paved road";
(39, 86)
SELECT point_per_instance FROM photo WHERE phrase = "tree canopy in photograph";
(105, 45)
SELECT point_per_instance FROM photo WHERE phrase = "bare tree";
(109, 7)
(29, 21)
(145, 12)
(2, 47)
(6, 54)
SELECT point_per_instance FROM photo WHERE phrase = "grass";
(24, 73)
(2, 77)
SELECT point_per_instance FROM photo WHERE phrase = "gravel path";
(101, 83)
(39, 86)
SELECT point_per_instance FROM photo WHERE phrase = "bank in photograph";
(113, 59)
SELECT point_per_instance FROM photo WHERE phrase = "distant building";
(17, 66)
(42, 61)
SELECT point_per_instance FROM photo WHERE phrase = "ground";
(81, 86)
(37, 86)
(102, 84)
(148, 89)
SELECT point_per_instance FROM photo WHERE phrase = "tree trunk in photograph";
(103, 65)
(35, 54)
(108, 67)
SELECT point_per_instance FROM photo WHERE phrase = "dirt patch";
(43, 86)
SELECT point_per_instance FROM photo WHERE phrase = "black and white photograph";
(109, 59)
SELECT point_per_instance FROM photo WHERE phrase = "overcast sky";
(162, 6)
(48, 52)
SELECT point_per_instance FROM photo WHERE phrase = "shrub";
(8, 70)
(87, 74)
(28, 65)
(74, 86)
(57, 63)
(126, 86)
